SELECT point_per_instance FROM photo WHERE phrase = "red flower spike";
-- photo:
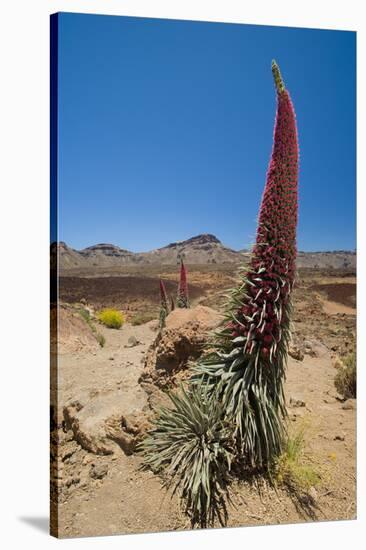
(275, 248)
(183, 300)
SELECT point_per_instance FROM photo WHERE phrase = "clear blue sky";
(165, 130)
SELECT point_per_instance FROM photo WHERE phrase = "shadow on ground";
(41, 523)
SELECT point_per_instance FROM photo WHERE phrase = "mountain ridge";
(204, 248)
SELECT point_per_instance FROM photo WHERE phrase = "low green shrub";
(111, 318)
(100, 339)
(291, 469)
(346, 379)
(84, 314)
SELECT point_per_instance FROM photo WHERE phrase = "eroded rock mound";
(108, 421)
(181, 341)
(74, 334)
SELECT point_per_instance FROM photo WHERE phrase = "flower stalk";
(164, 304)
(182, 299)
(238, 384)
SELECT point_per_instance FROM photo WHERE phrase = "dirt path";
(109, 494)
(333, 308)
(118, 363)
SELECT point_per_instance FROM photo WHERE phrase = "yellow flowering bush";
(111, 318)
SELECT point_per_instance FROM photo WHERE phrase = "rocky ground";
(105, 399)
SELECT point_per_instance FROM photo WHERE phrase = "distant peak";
(105, 249)
(204, 238)
(103, 246)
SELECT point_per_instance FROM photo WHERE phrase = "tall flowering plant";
(247, 365)
(164, 304)
(182, 299)
(234, 409)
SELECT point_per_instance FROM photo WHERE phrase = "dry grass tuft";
(346, 378)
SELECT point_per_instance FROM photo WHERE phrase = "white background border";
(24, 181)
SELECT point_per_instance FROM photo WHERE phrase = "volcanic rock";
(182, 340)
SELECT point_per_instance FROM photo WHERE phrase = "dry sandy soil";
(109, 494)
